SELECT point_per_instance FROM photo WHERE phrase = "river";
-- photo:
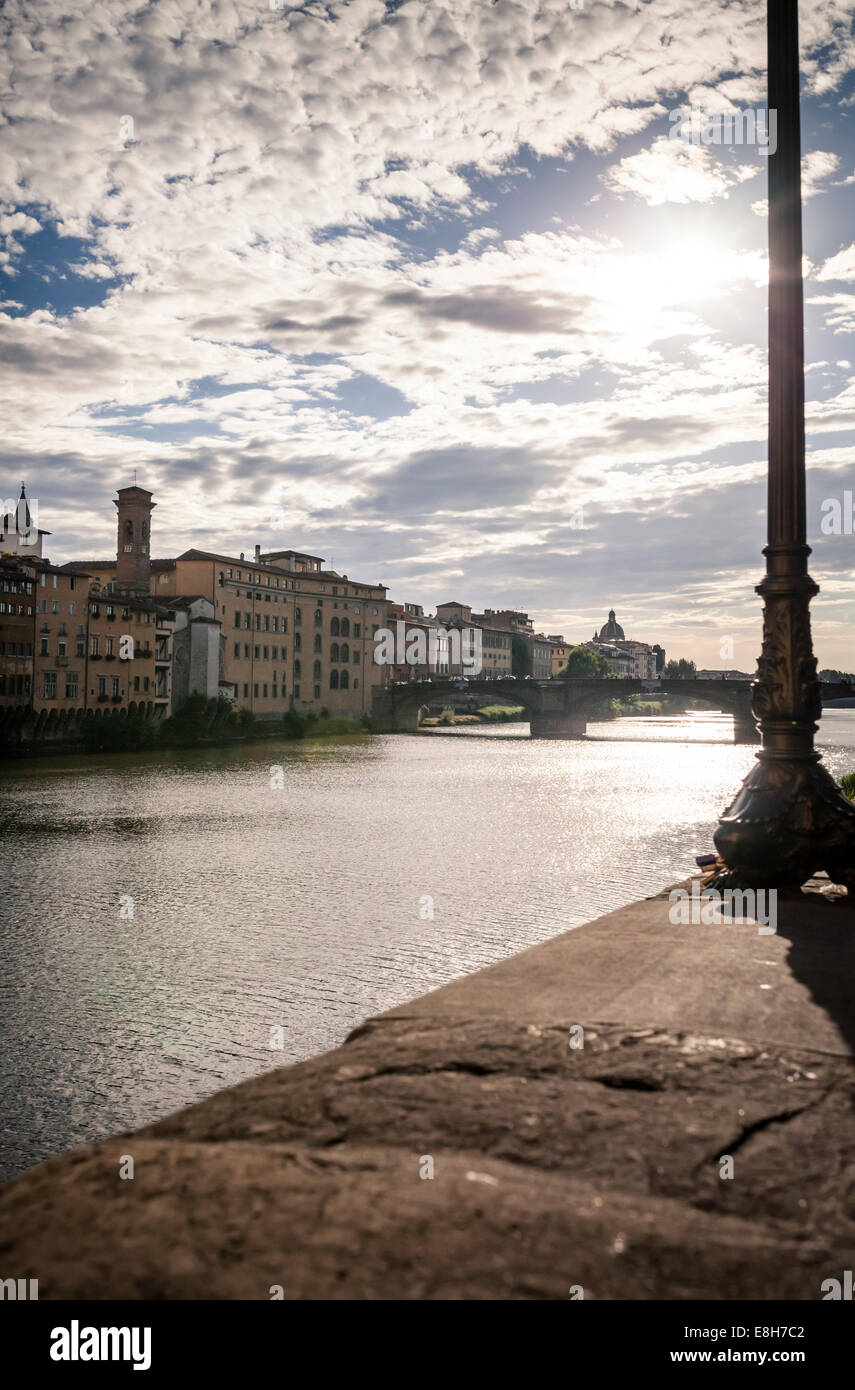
(174, 922)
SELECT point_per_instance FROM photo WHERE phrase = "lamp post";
(789, 819)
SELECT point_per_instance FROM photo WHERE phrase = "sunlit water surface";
(308, 906)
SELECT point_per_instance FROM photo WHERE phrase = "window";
(317, 692)
(267, 620)
(109, 651)
(298, 642)
(102, 685)
(316, 671)
(344, 681)
(284, 624)
(319, 616)
(264, 690)
(62, 648)
(334, 628)
(317, 642)
(246, 651)
(356, 659)
(237, 651)
(72, 609)
(296, 692)
(255, 651)
(237, 618)
(356, 610)
(297, 670)
(345, 627)
(356, 628)
(50, 685)
(43, 646)
(72, 688)
(266, 653)
(54, 608)
(356, 683)
(136, 682)
(245, 684)
(334, 652)
(333, 680)
(345, 652)
(298, 615)
(275, 692)
(145, 683)
(115, 687)
(80, 647)
(255, 690)
(274, 653)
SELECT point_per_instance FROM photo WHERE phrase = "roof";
(266, 567)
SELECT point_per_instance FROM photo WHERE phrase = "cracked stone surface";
(554, 1165)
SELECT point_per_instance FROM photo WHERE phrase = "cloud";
(839, 267)
(674, 171)
(296, 313)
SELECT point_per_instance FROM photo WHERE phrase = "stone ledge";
(553, 1165)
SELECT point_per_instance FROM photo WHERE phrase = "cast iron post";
(789, 818)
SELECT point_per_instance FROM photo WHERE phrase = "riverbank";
(633, 1109)
(200, 724)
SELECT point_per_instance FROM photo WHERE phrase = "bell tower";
(134, 507)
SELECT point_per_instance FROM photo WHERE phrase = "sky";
(428, 289)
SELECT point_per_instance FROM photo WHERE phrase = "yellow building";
(294, 635)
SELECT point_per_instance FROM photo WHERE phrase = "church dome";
(611, 631)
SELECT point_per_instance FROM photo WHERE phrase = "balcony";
(162, 658)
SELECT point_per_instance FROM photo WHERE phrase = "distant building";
(638, 660)
(560, 652)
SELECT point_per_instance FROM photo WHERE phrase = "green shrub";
(847, 785)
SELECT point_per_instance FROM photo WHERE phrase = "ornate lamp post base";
(789, 818)
(788, 821)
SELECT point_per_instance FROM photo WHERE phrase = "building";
(271, 634)
(421, 644)
(560, 652)
(17, 610)
(298, 638)
(626, 657)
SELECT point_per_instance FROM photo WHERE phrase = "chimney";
(258, 554)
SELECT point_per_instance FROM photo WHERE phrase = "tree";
(681, 670)
(585, 662)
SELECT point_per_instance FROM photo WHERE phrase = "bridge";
(562, 708)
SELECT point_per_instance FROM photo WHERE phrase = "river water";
(175, 922)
